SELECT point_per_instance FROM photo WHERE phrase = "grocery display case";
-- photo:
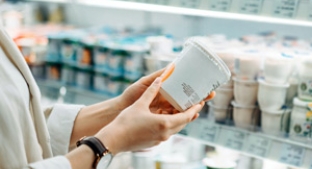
(235, 18)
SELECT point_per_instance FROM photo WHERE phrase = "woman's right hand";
(136, 127)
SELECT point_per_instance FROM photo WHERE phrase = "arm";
(135, 128)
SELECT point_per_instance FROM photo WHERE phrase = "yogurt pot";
(275, 122)
(301, 121)
(220, 114)
(100, 82)
(247, 66)
(223, 97)
(245, 91)
(228, 58)
(143, 160)
(292, 91)
(68, 75)
(271, 96)
(193, 75)
(305, 80)
(83, 79)
(160, 44)
(219, 163)
(277, 70)
(245, 117)
(100, 57)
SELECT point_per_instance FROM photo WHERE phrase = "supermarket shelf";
(75, 95)
(259, 145)
(184, 11)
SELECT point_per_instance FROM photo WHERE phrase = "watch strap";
(97, 147)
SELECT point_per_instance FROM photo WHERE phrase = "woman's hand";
(159, 105)
(137, 127)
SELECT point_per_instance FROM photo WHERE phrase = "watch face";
(104, 161)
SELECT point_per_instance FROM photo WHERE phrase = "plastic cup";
(247, 66)
(271, 96)
(275, 122)
(245, 91)
(221, 114)
(223, 97)
(277, 70)
(245, 117)
(193, 75)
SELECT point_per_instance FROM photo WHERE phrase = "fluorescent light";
(189, 11)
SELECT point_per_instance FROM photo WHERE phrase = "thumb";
(151, 92)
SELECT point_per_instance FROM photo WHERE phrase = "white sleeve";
(60, 126)
(59, 162)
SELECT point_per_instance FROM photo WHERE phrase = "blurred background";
(86, 51)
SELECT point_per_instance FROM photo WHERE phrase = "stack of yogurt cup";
(272, 93)
(246, 68)
(220, 107)
(301, 115)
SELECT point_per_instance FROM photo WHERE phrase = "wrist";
(109, 138)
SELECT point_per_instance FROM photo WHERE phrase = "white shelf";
(75, 95)
(183, 11)
(255, 144)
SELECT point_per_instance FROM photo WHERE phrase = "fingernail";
(157, 81)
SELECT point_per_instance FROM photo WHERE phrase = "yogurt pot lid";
(219, 164)
(199, 43)
(242, 106)
(235, 79)
(281, 111)
(261, 81)
(301, 103)
(216, 107)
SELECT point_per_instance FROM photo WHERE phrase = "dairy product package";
(195, 73)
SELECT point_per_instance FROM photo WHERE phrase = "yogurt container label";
(305, 89)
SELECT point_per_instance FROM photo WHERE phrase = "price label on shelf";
(258, 145)
(208, 131)
(285, 8)
(190, 3)
(232, 139)
(310, 11)
(292, 154)
(220, 5)
(161, 2)
(250, 6)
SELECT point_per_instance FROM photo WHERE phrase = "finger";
(167, 72)
(148, 80)
(179, 119)
(151, 92)
(210, 96)
(179, 128)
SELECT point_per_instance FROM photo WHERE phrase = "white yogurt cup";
(223, 97)
(219, 163)
(220, 114)
(193, 75)
(245, 117)
(275, 122)
(305, 80)
(277, 70)
(245, 91)
(160, 44)
(301, 119)
(292, 91)
(271, 96)
(247, 66)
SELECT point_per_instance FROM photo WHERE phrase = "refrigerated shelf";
(255, 144)
(72, 94)
(191, 11)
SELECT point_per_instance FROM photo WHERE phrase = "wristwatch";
(102, 154)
